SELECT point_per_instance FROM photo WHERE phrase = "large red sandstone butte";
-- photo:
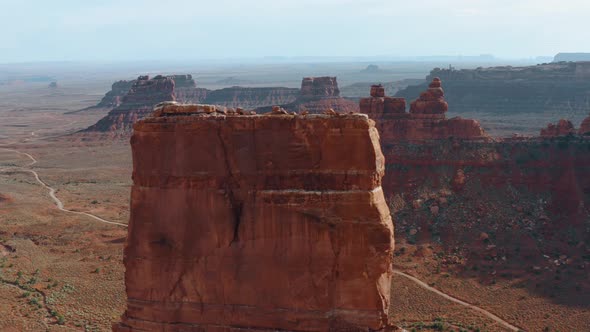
(250, 222)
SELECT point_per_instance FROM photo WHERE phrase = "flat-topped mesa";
(318, 94)
(256, 222)
(186, 91)
(319, 87)
(562, 128)
(146, 91)
(183, 81)
(426, 120)
(143, 95)
(114, 97)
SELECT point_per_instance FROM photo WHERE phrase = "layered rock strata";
(425, 121)
(448, 183)
(250, 222)
(318, 94)
(114, 97)
(186, 91)
(144, 94)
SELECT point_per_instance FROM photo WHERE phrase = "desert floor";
(61, 270)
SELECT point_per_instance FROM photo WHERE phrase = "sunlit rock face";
(318, 94)
(257, 222)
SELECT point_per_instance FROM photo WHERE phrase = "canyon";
(287, 229)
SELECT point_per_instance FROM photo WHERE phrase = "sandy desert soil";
(63, 271)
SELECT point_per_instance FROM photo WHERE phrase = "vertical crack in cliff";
(235, 203)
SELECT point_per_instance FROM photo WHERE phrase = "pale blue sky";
(111, 30)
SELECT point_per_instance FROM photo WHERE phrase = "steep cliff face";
(319, 87)
(250, 98)
(265, 223)
(136, 104)
(557, 90)
(114, 97)
(506, 206)
(318, 94)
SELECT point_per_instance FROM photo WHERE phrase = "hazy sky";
(107, 30)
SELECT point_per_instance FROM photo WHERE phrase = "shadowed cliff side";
(499, 207)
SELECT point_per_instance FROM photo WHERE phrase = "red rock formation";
(317, 95)
(186, 91)
(426, 120)
(112, 98)
(562, 128)
(431, 101)
(266, 223)
(144, 94)
(585, 127)
(377, 91)
(319, 87)
(449, 183)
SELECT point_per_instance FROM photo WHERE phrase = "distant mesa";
(547, 88)
(231, 81)
(53, 85)
(129, 101)
(318, 94)
(358, 90)
(319, 87)
(571, 57)
(371, 69)
(143, 95)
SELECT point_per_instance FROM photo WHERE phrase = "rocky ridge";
(500, 93)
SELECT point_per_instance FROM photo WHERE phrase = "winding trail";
(58, 203)
(458, 301)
